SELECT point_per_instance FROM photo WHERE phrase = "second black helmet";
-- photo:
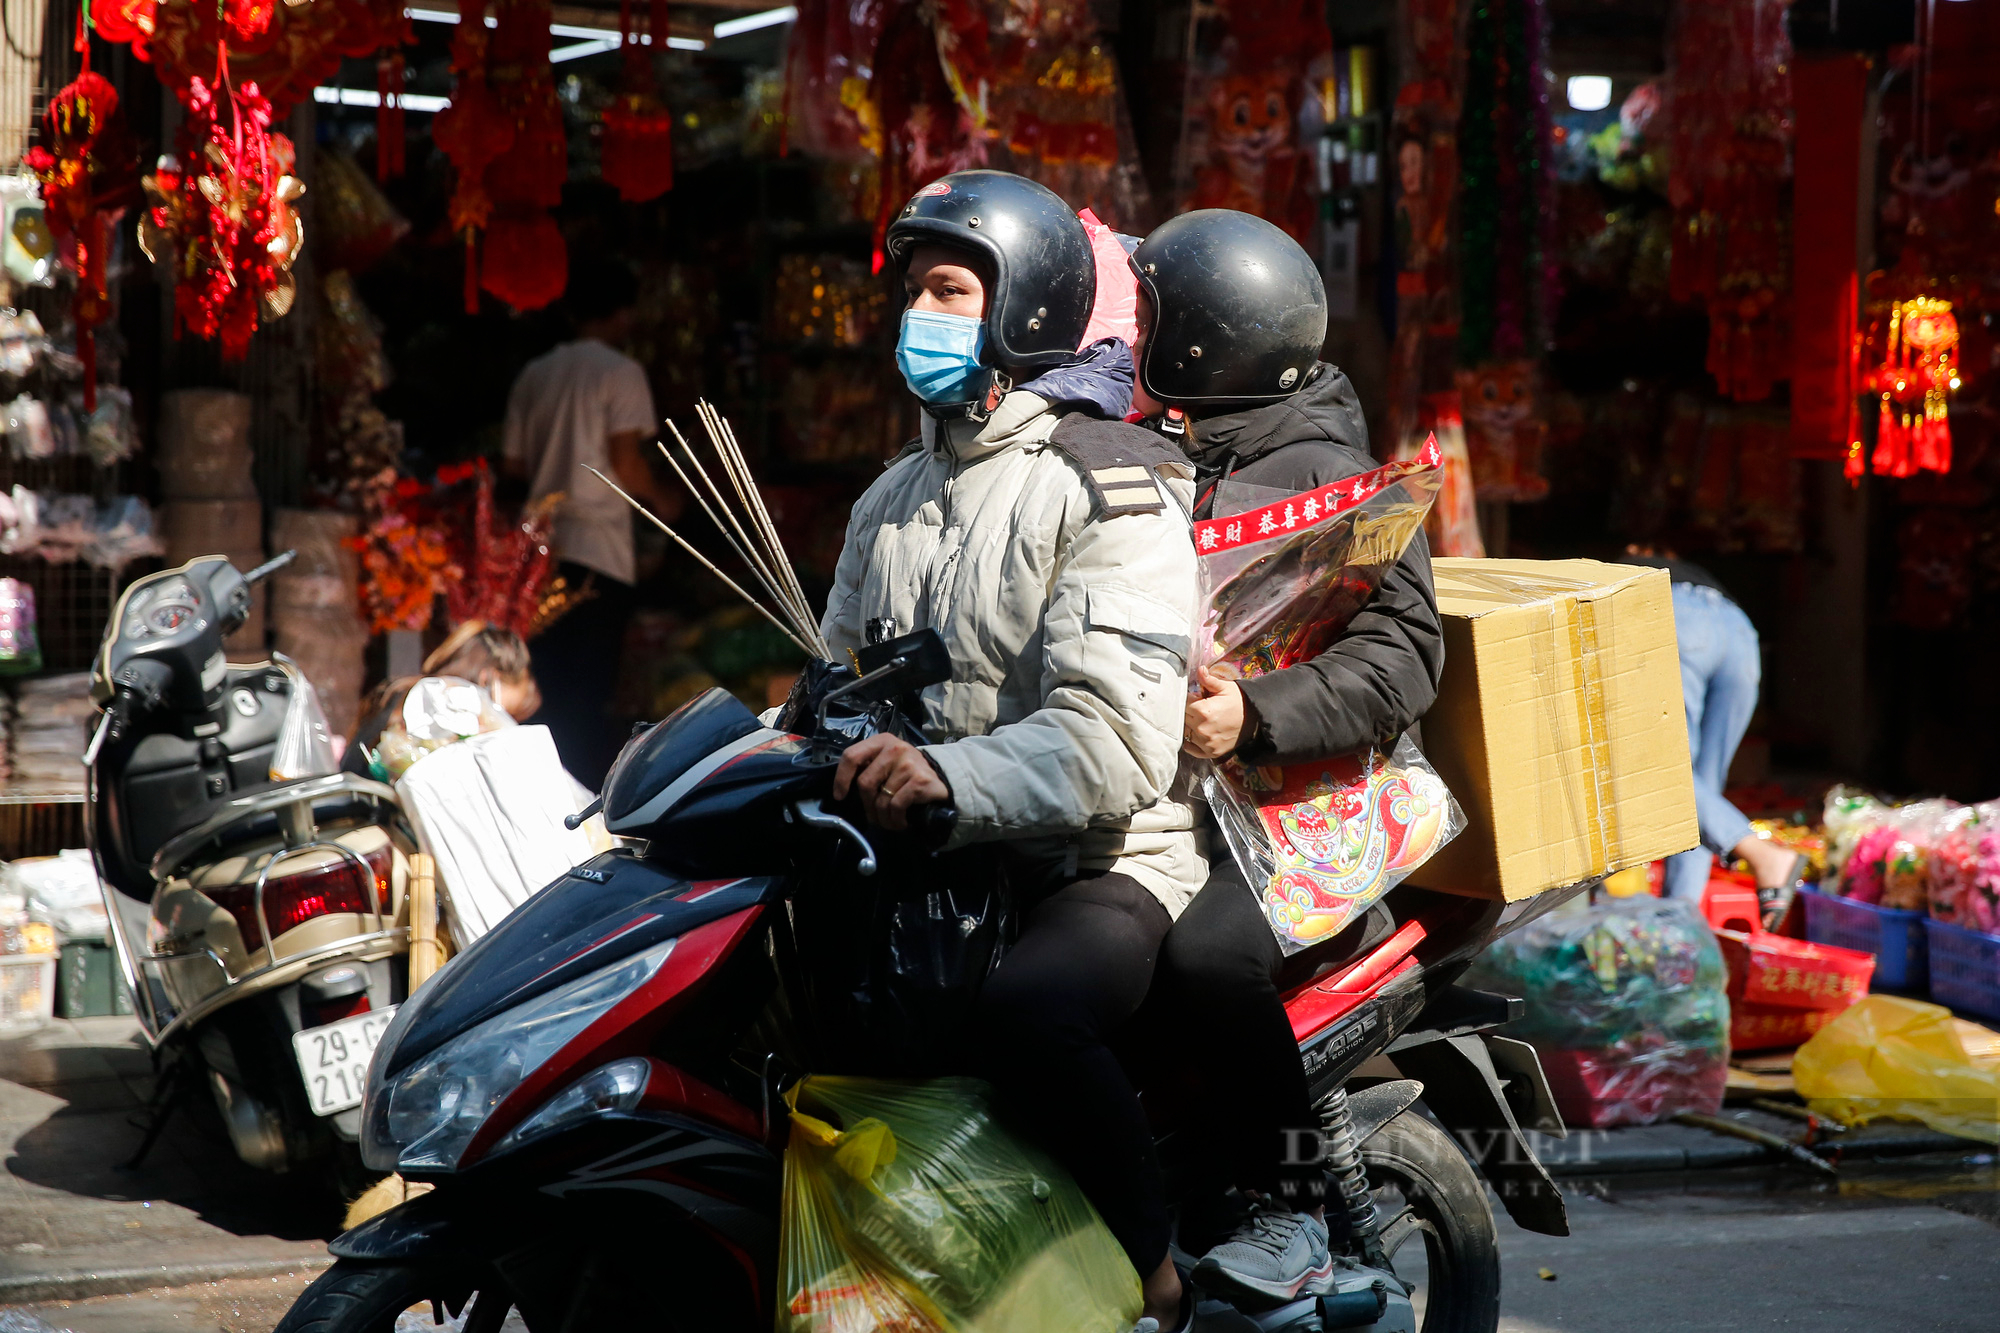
(1042, 276)
(1239, 310)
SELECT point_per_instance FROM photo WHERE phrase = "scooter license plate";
(334, 1059)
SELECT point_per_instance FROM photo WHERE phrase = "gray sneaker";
(1273, 1254)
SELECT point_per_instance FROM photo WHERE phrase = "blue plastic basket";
(1965, 969)
(1896, 938)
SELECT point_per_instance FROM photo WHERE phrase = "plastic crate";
(27, 990)
(1965, 969)
(1895, 937)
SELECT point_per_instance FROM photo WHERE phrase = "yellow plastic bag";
(1888, 1056)
(908, 1209)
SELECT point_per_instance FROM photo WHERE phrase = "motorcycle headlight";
(424, 1118)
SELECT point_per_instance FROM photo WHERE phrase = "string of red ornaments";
(222, 212)
(504, 134)
(87, 177)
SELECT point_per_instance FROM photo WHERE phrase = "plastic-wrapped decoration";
(1627, 1007)
(1318, 842)
(908, 1209)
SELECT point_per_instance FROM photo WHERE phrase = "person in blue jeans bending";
(1720, 672)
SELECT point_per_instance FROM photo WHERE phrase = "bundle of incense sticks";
(738, 513)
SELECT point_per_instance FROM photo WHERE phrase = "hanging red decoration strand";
(223, 211)
(389, 115)
(526, 263)
(86, 173)
(638, 127)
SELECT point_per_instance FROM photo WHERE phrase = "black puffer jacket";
(1379, 677)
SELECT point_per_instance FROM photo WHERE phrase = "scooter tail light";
(292, 898)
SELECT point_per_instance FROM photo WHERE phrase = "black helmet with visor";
(1041, 275)
(1239, 311)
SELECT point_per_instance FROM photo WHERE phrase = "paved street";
(72, 1218)
(198, 1244)
(1908, 1244)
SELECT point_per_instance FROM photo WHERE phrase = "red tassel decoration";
(85, 171)
(389, 116)
(638, 127)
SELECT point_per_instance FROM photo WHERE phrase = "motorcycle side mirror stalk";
(897, 666)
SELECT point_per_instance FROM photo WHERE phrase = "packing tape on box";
(1595, 814)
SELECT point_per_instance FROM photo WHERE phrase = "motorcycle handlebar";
(933, 823)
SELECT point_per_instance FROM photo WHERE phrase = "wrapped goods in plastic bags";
(1888, 1056)
(1965, 870)
(907, 1209)
(1889, 863)
(1319, 842)
(1626, 1006)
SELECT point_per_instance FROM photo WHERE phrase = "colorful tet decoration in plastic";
(222, 212)
(86, 176)
(1318, 842)
(638, 126)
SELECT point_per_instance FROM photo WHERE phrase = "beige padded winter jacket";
(1068, 633)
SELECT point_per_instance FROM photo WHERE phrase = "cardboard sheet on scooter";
(490, 810)
(1559, 724)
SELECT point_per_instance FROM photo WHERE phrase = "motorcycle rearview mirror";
(919, 658)
(908, 662)
(269, 567)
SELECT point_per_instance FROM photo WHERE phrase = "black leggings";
(1082, 965)
(1217, 975)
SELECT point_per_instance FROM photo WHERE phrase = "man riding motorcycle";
(1232, 318)
(1047, 541)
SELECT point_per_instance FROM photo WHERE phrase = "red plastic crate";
(1793, 974)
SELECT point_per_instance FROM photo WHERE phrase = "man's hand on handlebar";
(888, 776)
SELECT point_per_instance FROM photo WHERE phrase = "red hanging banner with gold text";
(1830, 92)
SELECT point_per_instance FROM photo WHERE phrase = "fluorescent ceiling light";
(422, 102)
(1589, 92)
(611, 35)
(595, 35)
(581, 49)
(769, 18)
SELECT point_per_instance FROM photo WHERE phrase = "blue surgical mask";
(938, 354)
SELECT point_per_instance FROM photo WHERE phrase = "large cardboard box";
(1559, 724)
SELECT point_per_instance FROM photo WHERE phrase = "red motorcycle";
(593, 1087)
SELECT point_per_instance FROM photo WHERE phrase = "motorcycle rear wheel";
(1425, 1190)
(353, 1297)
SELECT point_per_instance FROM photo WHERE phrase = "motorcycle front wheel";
(353, 1297)
(1425, 1190)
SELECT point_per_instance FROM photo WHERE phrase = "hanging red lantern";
(129, 21)
(526, 263)
(86, 173)
(223, 211)
(471, 132)
(638, 126)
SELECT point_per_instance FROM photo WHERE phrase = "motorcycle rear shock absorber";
(1342, 1162)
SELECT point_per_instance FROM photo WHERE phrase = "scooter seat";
(259, 814)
